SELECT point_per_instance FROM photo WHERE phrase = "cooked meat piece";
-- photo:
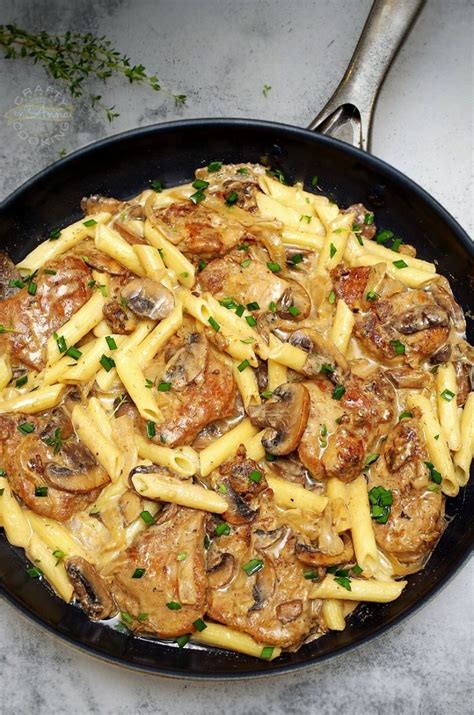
(361, 215)
(416, 517)
(90, 588)
(70, 477)
(350, 283)
(443, 295)
(245, 190)
(411, 318)
(273, 603)
(166, 580)
(331, 448)
(406, 377)
(225, 277)
(188, 411)
(240, 489)
(8, 274)
(34, 318)
(96, 203)
(120, 319)
(198, 231)
(465, 380)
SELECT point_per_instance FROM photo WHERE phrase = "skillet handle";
(348, 114)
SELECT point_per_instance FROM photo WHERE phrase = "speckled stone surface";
(221, 53)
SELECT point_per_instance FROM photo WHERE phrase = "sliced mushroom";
(97, 203)
(285, 415)
(420, 318)
(295, 296)
(90, 588)
(130, 506)
(314, 557)
(293, 471)
(148, 298)
(264, 587)
(79, 473)
(220, 575)
(101, 262)
(465, 380)
(120, 321)
(188, 363)
(321, 352)
(443, 295)
(289, 611)
(441, 355)
(406, 377)
(239, 511)
(271, 542)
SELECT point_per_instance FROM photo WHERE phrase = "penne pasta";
(13, 518)
(225, 447)
(32, 402)
(172, 256)
(277, 372)
(5, 371)
(333, 614)
(335, 242)
(287, 355)
(247, 383)
(157, 486)
(223, 637)
(155, 340)
(76, 328)
(106, 378)
(446, 391)
(411, 277)
(290, 495)
(111, 242)
(361, 526)
(182, 460)
(341, 329)
(463, 458)
(90, 434)
(131, 375)
(361, 590)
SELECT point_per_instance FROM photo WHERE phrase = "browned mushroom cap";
(90, 588)
(320, 352)
(238, 511)
(148, 298)
(264, 588)
(421, 317)
(289, 610)
(101, 262)
(188, 362)
(77, 472)
(221, 574)
(295, 296)
(120, 321)
(130, 506)
(96, 204)
(406, 377)
(443, 295)
(285, 415)
(315, 557)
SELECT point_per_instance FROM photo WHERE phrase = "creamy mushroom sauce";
(257, 566)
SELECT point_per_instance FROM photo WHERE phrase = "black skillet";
(122, 166)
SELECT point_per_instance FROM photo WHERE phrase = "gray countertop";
(221, 53)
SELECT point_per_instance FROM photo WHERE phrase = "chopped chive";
(356, 228)
(293, 310)
(222, 529)
(253, 566)
(91, 284)
(405, 414)
(150, 429)
(368, 219)
(182, 641)
(398, 347)
(142, 617)
(4, 329)
(173, 606)
(59, 556)
(138, 573)
(55, 234)
(332, 250)
(371, 295)
(381, 500)
(273, 267)
(214, 166)
(436, 437)
(34, 572)
(269, 457)
(17, 283)
(246, 263)
(338, 392)
(396, 245)
(74, 353)
(126, 617)
(253, 306)
(360, 239)
(383, 236)
(147, 517)
(201, 265)
(305, 217)
(107, 363)
(207, 541)
(90, 222)
(272, 306)
(248, 341)
(214, 324)
(111, 342)
(371, 458)
(243, 170)
(56, 442)
(332, 297)
(164, 387)
(356, 570)
(344, 581)
(156, 185)
(232, 198)
(197, 197)
(277, 174)
(267, 652)
(3, 473)
(400, 264)
(243, 247)
(239, 310)
(327, 368)
(435, 476)
(49, 272)
(21, 381)
(255, 476)
(266, 393)
(222, 488)
(199, 625)
(60, 342)
(251, 320)
(310, 575)
(297, 258)
(182, 556)
(314, 181)
(245, 363)
(41, 491)
(26, 428)
(447, 395)
(200, 184)
(228, 303)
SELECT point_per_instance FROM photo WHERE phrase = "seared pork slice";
(257, 584)
(34, 318)
(171, 592)
(416, 518)
(350, 283)
(341, 432)
(8, 274)
(411, 319)
(198, 231)
(48, 468)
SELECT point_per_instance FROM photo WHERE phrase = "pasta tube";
(185, 493)
(361, 590)
(336, 491)
(361, 525)
(290, 495)
(335, 242)
(277, 372)
(31, 402)
(411, 277)
(446, 390)
(76, 327)
(106, 378)
(101, 447)
(130, 373)
(54, 572)
(5, 371)
(341, 329)
(247, 384)
(225, 447)
(223, 637)
(111, 242)
(287, 355)
(172, 256)
(333, 614)
(463, 458)
(182, 460)
(159, 336)
(13, 518)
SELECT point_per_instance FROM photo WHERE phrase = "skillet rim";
(374, 163)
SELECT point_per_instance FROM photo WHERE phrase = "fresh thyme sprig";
(73, 57)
